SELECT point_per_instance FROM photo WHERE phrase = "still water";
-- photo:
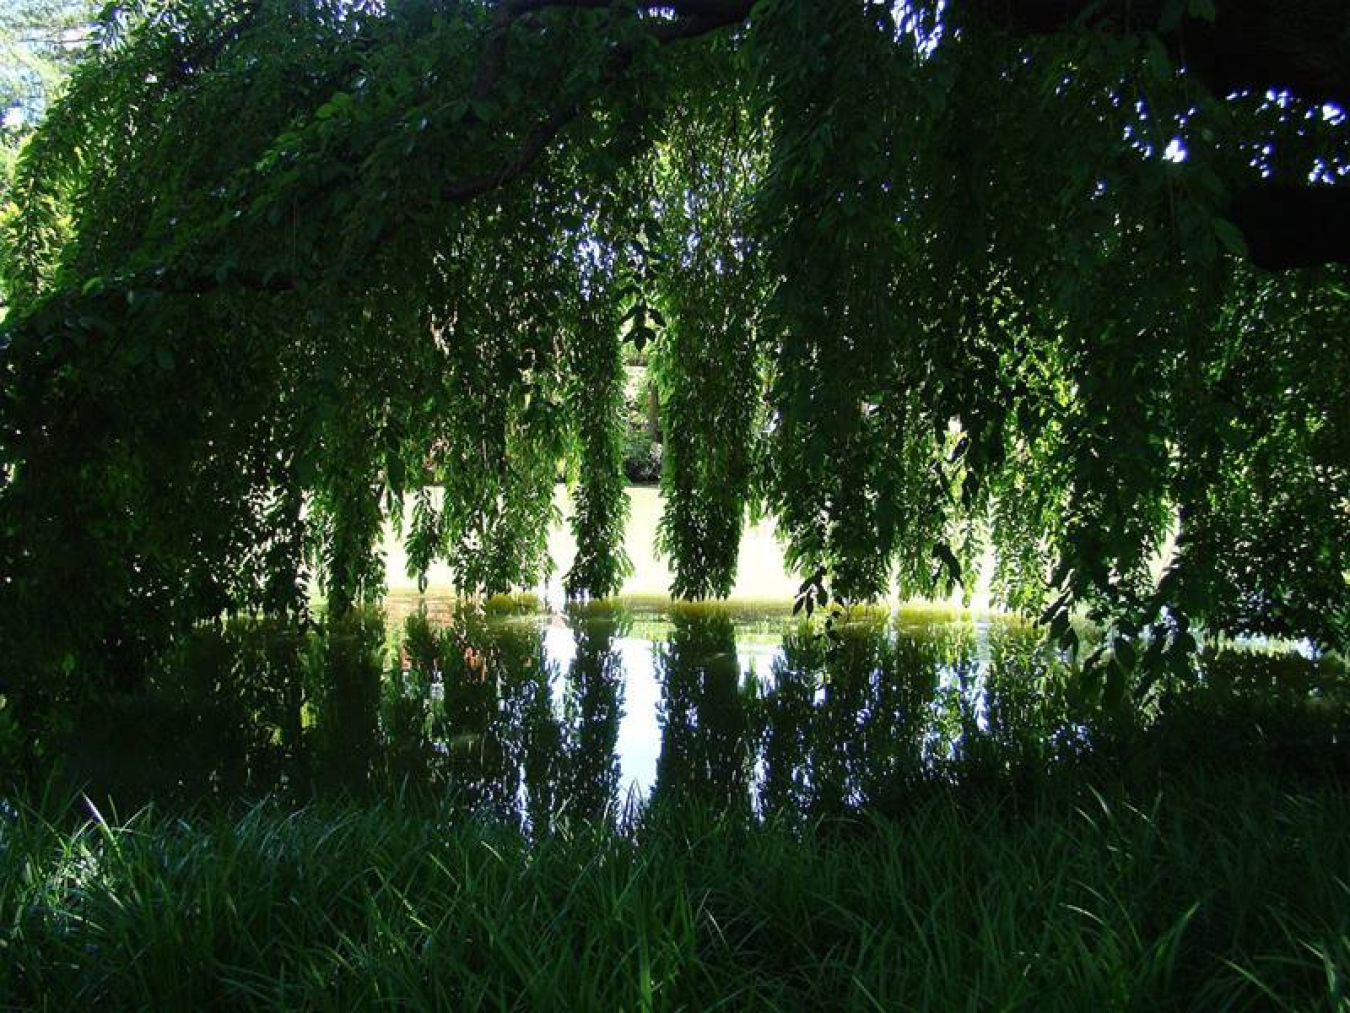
(592, 711)
(742, 704)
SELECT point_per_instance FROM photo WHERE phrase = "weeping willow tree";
(922, 280)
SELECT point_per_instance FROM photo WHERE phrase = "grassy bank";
(1219, 892)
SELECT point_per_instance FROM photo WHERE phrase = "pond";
(593, 711)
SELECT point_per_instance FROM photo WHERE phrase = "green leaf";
(1172, 13)
(1113, 689)
(333, 106)
(1124, 652)
(1230, 237)
(1156, 60)
(1059, 624)
(1203, 9)
(948, 559)
(306, 471)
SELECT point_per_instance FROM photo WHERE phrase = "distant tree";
(1058, 278)
(40, 41)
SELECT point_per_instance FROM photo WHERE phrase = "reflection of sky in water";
(913, 694)
(733, 705)
(639, 740)
(927, 727)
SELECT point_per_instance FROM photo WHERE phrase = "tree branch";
(694, 18)
(462, 191)
(494, 54)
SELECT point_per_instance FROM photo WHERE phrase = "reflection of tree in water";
(592, 710)
(496, 719)
(496, 735)
(492, 736)
(530, 733)
(348, 697)
(958, 707)
(220, 715)
(1023, 712)
(863, 723)
(891, 706)
(855, 724)
(407, 705)
(789, 706)
(469, 706)
(706, 749)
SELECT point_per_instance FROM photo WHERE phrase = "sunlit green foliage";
(596, 399)
(710, 359)
(39, 41)
(916, 285)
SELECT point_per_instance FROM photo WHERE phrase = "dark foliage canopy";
(1062, 280)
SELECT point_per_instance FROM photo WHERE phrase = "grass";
(1221, 891)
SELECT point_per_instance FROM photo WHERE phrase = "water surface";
(537, 714)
